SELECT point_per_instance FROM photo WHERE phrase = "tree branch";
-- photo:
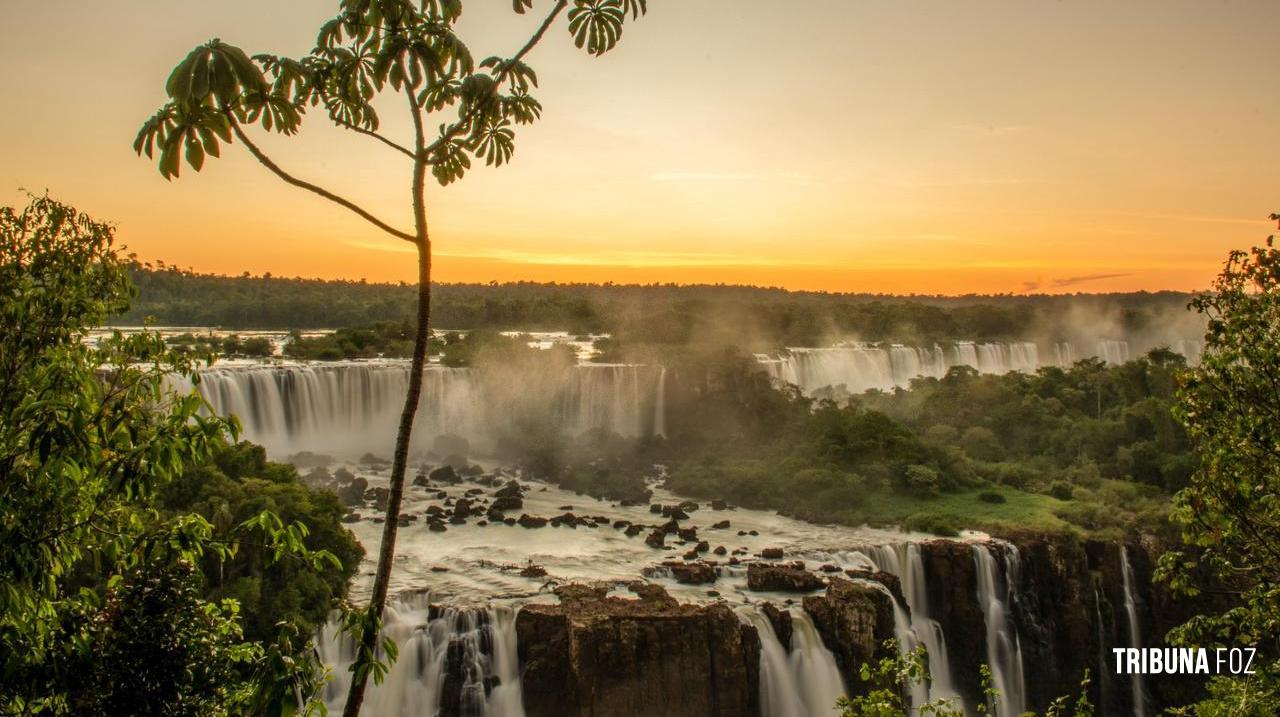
(290, 179)
(370, 133)
(537, 36)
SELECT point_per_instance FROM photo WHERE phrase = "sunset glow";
(904, 147)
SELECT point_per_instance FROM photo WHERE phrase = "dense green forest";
(149, 565)
(664, 313)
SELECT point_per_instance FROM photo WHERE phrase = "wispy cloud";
(398, 247)
(1074, 280)
(711, 177)
(1203, 219)
(987, 128)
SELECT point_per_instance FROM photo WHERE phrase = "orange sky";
(851, 145)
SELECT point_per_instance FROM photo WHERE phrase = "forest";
(660, 313)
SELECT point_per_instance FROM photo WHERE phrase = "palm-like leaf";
(596, 24)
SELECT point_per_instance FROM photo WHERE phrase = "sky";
(897, 146)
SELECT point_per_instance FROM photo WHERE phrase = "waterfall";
(1004, 650)
(904, 561)
(470, 651)
(1104, 674)
(350, 408)
(1131, 601)
(660, 405)
(1113, 352)
(814, 666)
(857, 368)
(801, 679)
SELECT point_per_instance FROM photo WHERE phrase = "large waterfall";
(354, 407)
(1004, 648)
(857, 368)
(451, 660)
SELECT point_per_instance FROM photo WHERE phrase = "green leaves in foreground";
(370, 49)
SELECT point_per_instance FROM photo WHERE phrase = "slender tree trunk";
(387, 550)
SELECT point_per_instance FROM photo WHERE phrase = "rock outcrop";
(854, 620)
(596, 655)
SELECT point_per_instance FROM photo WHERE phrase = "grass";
(966, 510)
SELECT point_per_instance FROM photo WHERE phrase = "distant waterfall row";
(352, 408)
(865, 367)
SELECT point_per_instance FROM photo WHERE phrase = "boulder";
(781, 578)
(503, 503)
(695, 573)
(531, 521)
(445, 474)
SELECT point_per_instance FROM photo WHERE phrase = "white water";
(349, 408)
(482, 641)
(660, 405)
(1135, 631)
(801, 679)
(1004, 650)
(904, 561)
(857, 368)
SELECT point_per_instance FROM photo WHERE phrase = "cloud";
(1074, 280)
(710, 177)
(1202, 219)
(399, 247)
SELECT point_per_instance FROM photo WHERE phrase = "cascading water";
(1104, 674)
(1004, 649)
(863, 367)
(814, 666)
(354, 407)
(465, 657)
(660, 405)
(802, 679)
(904, 561)
(1131, 601)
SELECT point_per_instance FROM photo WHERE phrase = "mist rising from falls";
(863, 367)
(1004, 648)
(354, 407)
(455, 660)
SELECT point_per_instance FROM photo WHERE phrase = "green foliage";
(890, 680)
(923, 457)
(100, 610)
(238, 485)
(384, 339)
(1229, 513)
(889, 684)
(757, 319)
(370, 48)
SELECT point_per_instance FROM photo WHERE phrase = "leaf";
(596, 24)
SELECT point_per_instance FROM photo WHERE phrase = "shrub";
(934, 523)
(921, 481)
(1061, 490)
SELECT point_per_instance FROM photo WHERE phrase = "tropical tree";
(371, 49)
(1230, 513)
(100, 605)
